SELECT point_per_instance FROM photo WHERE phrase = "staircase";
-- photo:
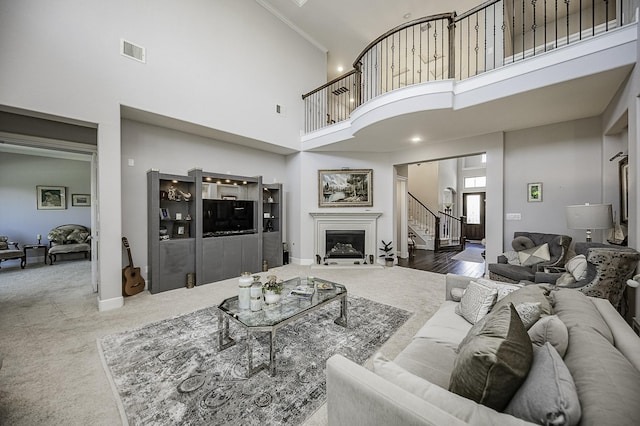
(431, 231)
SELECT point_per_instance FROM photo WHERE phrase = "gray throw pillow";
(548, 395)
(550, 329)
(533, 293)
(492, 365)
(522, 243)
(529, 313)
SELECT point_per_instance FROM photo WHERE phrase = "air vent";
(132, 51)
(340, 91)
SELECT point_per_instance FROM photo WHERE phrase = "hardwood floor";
(441, 262)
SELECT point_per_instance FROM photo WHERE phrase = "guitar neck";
(126, 245)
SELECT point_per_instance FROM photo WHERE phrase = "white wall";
(19, 176)
(423, 183)
(175, 152)
(220, 64)
(567, 159)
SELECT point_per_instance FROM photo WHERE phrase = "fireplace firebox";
(341, 244)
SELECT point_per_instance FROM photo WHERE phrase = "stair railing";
(425, 220)
(453, 229)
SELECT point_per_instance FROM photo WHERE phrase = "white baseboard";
(304, 262)
(110, 304)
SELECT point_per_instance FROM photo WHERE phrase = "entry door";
(473, 206)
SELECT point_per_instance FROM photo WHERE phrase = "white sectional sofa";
(603, 357)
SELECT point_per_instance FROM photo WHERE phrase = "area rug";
(470, 255)
(170, 372)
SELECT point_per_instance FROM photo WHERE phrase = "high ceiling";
(345, 27)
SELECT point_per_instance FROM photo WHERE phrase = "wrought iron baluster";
(606, 15)
(567, 34)
(545, 25)
(593, 17)
(477, 47)
(533, 26)
(523, 27)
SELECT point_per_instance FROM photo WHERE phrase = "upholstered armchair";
(66, 239)
(608, 268)
(528, 246)
(7, 252)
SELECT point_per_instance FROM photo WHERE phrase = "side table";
(35, 247)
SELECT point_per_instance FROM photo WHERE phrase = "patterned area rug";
(171, 372)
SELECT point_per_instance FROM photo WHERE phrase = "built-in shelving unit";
(178, 244)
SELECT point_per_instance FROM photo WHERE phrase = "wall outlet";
(514, 216)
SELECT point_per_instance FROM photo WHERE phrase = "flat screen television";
(220, 217)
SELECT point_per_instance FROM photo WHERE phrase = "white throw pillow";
(535, 255)
(503, 288)
(577, 266)
(476, 302)
(512, 257)
(529, 313)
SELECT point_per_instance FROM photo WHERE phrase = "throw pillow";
(565, 279)
(577, 266)
(476, 302)
(503, 288)
(77, 236)
(492, 365)
(522, 243)
(549, 393)
(535, 255)
(512, 257)
(552, 330)
(529, 313)
(456, 294)
(3, 245)
(530, 294)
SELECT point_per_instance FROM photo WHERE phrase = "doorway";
(473, 208)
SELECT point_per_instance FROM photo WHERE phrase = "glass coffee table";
(273, 317)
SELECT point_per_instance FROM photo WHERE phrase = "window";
(473, 208)
(475, 182)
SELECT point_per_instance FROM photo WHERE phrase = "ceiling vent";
(132, 51)
(340, 91)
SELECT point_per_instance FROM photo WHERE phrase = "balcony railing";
(451, 46)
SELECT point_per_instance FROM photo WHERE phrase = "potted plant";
(387, 253)
(272, 290)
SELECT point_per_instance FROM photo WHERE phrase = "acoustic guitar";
(132, 281)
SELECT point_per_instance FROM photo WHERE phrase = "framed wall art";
(534, 192)
(345, 188)
(51, 197)
(80, 200)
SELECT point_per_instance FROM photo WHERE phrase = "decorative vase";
(271, 297)
(388, 262)
(244, 291)
(256, 297)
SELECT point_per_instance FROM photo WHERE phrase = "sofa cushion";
(77, 236)
(476, 302)
(535, 255)
(445, 326)
(552, 330)
(548, 395)
(529, 313)
(462, 408)
(608, 385)
(429, 360)
(576, 310)
(530, 294)
(491, 366)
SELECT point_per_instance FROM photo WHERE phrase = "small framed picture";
(51, 197)
(164, 214)
(178, 216)
(80, 200)
(534, 192)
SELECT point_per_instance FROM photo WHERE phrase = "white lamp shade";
(589, 216)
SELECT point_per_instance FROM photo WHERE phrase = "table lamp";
(589, 216)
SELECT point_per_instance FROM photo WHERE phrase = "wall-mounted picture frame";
(81, 200)
(345, 188)
(623, 166)
(51, 197)
(534, 192)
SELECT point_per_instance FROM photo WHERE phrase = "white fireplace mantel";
(347, 221)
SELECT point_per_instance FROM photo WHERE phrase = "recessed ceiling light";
(416, 139)
(340, 69)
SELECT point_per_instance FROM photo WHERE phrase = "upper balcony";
(481, 68)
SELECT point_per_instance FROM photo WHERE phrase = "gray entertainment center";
(212, 225)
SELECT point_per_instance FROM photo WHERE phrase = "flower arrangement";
(272, 284)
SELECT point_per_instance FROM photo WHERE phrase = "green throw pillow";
(493, 364)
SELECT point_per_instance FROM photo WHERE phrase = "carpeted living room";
(307, 148)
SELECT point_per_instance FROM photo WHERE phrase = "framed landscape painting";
(51, 197)
(534, 192)
(345, 188)
(80, 200)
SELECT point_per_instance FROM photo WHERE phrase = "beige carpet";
(49, 324)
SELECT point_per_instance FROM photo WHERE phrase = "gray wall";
(567, 159)
(19, 176)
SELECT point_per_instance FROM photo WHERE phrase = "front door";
(473, 208)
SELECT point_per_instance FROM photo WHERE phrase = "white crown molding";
(294, 27)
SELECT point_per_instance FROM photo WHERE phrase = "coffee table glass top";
(288, 306)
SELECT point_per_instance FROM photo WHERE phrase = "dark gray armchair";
(506, 272)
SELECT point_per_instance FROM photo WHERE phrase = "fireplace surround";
(347, 223)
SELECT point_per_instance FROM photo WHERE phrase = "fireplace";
(358, 232)
(347, 244)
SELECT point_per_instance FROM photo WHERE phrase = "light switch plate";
(514, 216)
